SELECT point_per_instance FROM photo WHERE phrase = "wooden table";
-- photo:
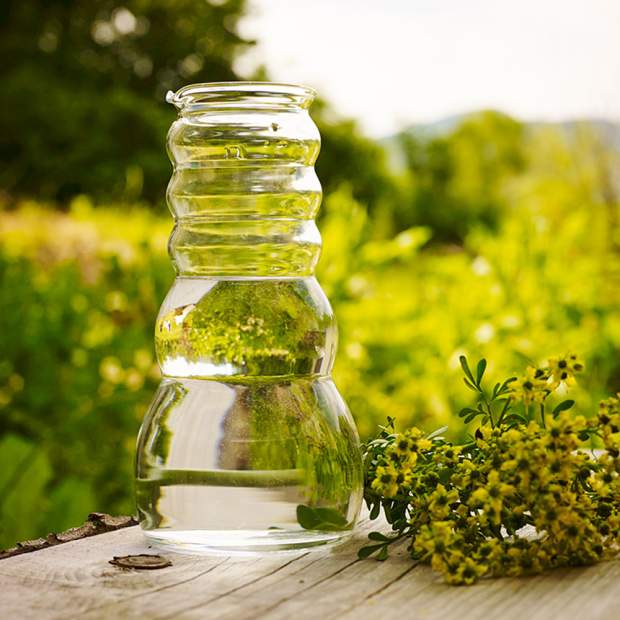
(76, 580)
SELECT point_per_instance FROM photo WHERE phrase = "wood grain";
(75, 579)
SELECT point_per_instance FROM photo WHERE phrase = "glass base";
(242, 542)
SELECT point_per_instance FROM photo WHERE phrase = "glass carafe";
(247, 445)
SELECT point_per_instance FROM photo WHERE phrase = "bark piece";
(97, 523)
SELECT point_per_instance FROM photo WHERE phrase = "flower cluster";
(393, 477)
(521, 497)
(538, 383)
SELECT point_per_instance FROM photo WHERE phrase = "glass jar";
(247, 445)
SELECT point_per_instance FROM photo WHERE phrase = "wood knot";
(142, 561)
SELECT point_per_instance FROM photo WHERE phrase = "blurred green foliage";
(459, 179)
(80, 292)
(489, 238)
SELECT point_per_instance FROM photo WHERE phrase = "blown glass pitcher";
(247, 445)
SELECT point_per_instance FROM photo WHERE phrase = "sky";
(391, 63)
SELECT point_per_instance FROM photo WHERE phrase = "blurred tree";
(83, 87)
(458, 179)
(83, 84)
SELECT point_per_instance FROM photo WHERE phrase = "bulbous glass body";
(247, 445)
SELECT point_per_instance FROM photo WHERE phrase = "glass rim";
(216, 94)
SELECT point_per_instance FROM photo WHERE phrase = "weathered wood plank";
(585, 593)
(233, 581)
(77, 575)
(76, 579)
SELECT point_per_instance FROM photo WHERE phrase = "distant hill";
(429, 130)
(608, 130)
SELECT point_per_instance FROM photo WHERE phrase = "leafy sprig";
(487, 404)
(461, 508)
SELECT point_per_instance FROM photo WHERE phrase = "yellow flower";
(436, 538)
(414, 433)
(530, 388)
(402, 445)
(403, 452)
(490, 498)
(512, 436)
(440, 501)
(490, 550)
(563, 369)
(385, 481)
(466, 473)
(424, 444)
(469, 571)
(458, 569)
(609, 415)
(478, 497)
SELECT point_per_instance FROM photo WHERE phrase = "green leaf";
(444, 475)
(506, 385)
(470, 385)
(374, 511)
(466, 411)
(465, 367)
(565, 405)
(383, 554)
(378, 536)
(331, 516)
(320, 518)
(515, 418)
(482, 365)
(437, 432)
(496, 389)
(366, 552)
(307, 517)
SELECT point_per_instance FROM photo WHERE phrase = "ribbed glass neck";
(244, 192)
